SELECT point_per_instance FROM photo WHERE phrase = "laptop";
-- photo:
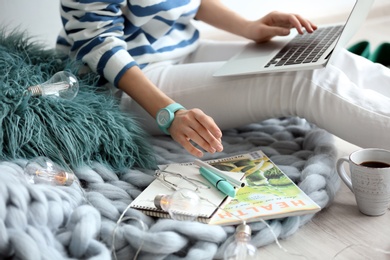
(297, 52)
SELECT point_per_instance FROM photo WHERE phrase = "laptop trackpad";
(261, 50)
(251, 59)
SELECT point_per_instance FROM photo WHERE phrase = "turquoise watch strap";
(168, 111)
(174, 107)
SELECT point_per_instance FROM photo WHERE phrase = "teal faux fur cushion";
(71, 132)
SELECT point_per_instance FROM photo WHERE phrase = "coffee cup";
(369, 179)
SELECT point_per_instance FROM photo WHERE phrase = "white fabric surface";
(349, 98)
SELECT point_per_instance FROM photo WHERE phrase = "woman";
(150, 50)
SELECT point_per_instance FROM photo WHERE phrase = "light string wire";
(76, 179)
(174, 188)
(278, 242)
(275, 237)
(361, 245)
(122, 218)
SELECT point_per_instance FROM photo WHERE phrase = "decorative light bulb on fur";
(182, 205)
(241, 248)
(43, 170)
(63, 84)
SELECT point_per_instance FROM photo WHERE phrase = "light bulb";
(241, 248)
(183, 204)
(43, 170)
(63, 84)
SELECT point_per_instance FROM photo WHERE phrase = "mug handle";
(342, 173)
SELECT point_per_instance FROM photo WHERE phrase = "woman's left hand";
(194, 125)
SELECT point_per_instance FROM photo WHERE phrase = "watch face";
(163, 118)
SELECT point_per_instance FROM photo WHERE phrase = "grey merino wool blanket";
(55, 222)
(113, 161)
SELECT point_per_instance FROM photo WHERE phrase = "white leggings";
(350, 98)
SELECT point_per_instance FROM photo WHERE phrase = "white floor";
(339, 232)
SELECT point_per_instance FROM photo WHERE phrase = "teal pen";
(220, 183)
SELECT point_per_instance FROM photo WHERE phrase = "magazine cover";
(268, 192)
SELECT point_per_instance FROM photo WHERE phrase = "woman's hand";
(188, 125)
(215, 13)
(276, 24)
(194, 125)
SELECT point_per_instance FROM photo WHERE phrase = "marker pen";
(235, 182)
(220, 183)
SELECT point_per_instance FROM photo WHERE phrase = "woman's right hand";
(194, 125)
(276, 24)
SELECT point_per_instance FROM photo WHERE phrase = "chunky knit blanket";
(113, 160)
(80, 222)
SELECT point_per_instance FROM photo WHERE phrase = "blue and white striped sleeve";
(94, 30)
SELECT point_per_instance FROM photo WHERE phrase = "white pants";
(350, 98)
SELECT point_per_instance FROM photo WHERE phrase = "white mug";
(369, 179)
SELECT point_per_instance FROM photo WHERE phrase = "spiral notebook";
(181, 176)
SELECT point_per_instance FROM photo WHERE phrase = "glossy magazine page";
(268, 193)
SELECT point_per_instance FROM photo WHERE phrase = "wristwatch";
(166, 115)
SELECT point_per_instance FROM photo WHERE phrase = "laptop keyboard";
(306, 48)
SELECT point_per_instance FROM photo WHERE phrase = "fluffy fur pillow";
(73, 132)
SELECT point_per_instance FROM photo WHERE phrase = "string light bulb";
(63, 84)
(43, 170)
(183, 204)
(241, 248)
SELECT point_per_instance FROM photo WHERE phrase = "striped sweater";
(111, 36)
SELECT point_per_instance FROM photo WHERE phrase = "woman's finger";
(202, 137)
(309, 26)
(186, 143)
(209, 131)
(287, 20)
